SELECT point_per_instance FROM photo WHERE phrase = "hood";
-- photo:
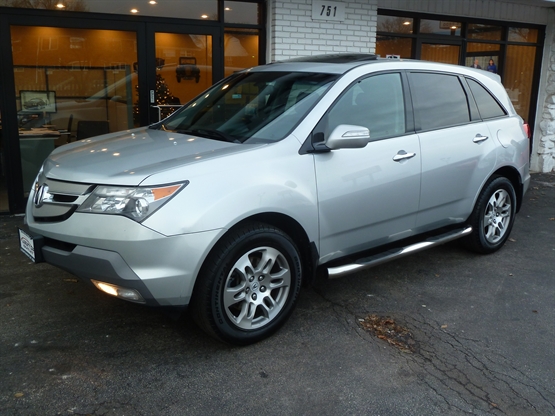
(129, 157)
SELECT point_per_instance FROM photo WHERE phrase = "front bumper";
(119, 251)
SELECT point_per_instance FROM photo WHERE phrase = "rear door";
(458, 150)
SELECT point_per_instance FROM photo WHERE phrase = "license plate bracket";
(31, 244)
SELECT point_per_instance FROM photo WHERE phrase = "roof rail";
(339, 58)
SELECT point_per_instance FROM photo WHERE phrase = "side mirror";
(346, 136)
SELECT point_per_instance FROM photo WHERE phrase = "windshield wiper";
(211, 134)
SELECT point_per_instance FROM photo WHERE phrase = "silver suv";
(331, 163)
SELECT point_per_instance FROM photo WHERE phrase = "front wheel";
(248, 285)
(493, 216)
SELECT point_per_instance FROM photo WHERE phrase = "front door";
(368, 196)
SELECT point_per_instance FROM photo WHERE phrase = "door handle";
(402, 155)
(479, 138)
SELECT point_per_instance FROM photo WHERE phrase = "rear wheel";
(493, 216)
(248, 286)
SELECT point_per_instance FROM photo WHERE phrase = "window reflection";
(240, 50)
(485, 32)
(241, 12)
(440, 27)
(65, 78)
(395, 24)
(523, 34)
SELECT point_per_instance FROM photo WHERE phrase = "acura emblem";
(41, 195)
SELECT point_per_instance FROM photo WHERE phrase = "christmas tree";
(163, 96)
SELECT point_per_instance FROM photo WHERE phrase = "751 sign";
(328, 10)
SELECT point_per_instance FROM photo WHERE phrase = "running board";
(371, 261)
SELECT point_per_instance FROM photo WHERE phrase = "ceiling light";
(204, 16)
(153, 2)
(60, 5)
(134, 11)
(406, 23)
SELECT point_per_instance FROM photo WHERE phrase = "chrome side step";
(371, 261)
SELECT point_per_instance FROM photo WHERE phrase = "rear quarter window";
(487, 105)
(439, 100)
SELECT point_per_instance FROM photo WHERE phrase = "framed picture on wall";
(38, 101)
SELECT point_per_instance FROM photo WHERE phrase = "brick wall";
(293, 32)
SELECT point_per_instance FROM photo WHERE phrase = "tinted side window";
(439, 100)
(375, 102)
(488, 107)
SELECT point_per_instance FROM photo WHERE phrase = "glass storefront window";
(440, 27)
(484, 32)
(240, 49)
(487, 55)
(395, 24)
(187, 9)
(241, 12)
(447, 54)
(523, 34)
(183, 69)
(392, 45)
(517, 77)
(70, 84)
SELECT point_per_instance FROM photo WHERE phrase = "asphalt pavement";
(442, 332)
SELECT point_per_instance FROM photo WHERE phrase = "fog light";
(118, 291)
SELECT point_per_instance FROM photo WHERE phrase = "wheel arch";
(291, 227)
(514, 177)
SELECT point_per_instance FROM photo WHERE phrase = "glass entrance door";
(183, 68)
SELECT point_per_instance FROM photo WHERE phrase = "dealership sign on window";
(328, 10)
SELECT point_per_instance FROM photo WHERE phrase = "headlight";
(136, 203)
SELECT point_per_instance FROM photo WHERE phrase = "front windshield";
(251, 106)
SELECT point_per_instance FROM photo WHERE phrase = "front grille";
(55, 201)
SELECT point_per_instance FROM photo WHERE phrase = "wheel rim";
(497, 216)
(257, 288)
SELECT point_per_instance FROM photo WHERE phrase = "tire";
(237, 299)
(493, 216)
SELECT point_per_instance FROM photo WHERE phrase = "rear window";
(487, 105)
(439, 100)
